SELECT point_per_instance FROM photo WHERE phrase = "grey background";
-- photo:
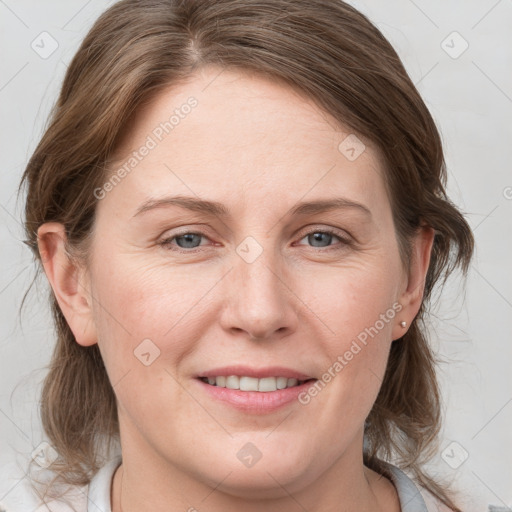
(469, 94)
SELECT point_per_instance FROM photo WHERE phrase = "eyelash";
(166, 243)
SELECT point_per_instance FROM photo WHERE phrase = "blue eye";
(324, 238)
(188, 241)
(184, 241)
(319, 238)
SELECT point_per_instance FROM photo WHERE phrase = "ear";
(68, 282)
(412, 297)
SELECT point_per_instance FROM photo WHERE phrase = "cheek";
(351, 299)
(359, 306)
(138, 300)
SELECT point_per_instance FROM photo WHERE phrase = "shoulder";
(25, 499)
(413, 497)
(74, 499)
(432, 503)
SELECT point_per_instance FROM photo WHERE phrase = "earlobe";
(67, 280)
(412, 297)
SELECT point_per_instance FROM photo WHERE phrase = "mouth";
(246, 383)
(256, 391)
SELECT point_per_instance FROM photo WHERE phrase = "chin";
(264, 483)
(264, 478)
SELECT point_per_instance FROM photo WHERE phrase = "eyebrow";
(215, 208)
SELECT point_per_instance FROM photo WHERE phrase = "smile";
(245, 383)
(254, 390)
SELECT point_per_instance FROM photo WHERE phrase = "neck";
(146, 482)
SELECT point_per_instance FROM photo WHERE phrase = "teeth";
(267, 384)
(244, 383)
(282, 382)
(248, 384)
(233, 382)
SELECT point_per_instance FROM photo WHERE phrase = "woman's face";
(215, 256)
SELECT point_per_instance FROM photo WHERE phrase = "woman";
(240, 208)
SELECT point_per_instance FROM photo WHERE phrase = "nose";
(259, 301)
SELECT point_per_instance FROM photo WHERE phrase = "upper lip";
(259, 373)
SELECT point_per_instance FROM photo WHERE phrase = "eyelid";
(166, 240)
(345, 238)
(341, 234)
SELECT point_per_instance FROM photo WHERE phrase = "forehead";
(229, 135)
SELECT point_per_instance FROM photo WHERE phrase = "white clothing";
(95, 497)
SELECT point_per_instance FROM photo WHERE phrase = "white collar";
(98, 498)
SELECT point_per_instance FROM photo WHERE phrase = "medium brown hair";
(333, 55)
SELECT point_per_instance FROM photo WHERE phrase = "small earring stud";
(403, 324)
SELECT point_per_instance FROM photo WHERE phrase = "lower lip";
(255, 401)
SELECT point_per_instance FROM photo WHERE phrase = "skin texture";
(258, 148)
